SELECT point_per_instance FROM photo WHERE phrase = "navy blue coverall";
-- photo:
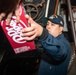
(56, 55)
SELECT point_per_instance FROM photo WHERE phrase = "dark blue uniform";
(56, 55)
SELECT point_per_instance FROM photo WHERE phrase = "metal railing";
(72, 22)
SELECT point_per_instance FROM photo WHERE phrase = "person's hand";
(8, 19)
(33, 30)
(17, 14)
(1, 16)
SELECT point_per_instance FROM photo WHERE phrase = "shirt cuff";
(44, 34)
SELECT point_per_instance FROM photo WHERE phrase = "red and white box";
(13, 33)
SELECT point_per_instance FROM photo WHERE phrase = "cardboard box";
(13, 33)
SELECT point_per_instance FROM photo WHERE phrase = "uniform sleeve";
(56, 48)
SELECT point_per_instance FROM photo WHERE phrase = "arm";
(54, 47)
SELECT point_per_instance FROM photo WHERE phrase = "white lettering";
(22, 49)
(14, 31)
(18, 39)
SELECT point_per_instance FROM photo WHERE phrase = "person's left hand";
(33, 30)
(2, 15)
(8, 19)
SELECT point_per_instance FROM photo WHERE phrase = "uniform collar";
(60, 36)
